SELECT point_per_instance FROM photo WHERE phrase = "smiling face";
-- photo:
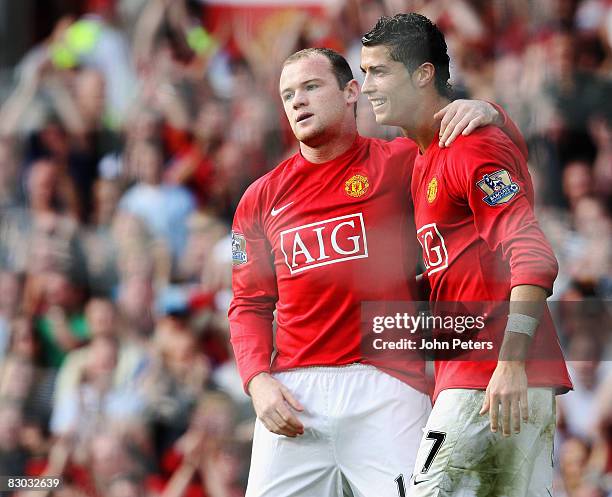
(388, 86)
(314, 104)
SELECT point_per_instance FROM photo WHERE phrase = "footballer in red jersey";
(481, 242)
(326, 230)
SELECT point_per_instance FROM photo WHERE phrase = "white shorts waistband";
(344, 368)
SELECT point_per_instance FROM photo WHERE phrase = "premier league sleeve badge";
(498, 187)
(239, 253)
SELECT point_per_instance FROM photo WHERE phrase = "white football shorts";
(459, 456)
(362, 431)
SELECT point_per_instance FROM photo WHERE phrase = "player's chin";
(301, 132)
(382, 118)
(308, 137)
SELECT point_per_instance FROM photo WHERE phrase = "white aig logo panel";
(325, 242)
(435, 254)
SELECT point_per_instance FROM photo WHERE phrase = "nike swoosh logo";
(418, 482)
(279, 210)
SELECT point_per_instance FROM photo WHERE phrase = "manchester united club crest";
(499, 187)
(357, 186)
(432, 190)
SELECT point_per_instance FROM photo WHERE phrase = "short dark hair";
(413, 39)
(340, 67)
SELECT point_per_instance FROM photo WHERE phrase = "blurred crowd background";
(129, 130)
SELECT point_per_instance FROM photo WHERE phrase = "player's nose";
(299, 99)
(367, 86)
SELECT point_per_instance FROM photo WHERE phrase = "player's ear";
(423, 75)
(351, 91)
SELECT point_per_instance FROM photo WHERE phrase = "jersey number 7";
(438, 437)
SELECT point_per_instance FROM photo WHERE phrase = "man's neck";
(330, 149)
(426, 128)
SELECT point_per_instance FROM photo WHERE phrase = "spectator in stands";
(177, 377)
(60, 324)
(98, 403)
(13, 456)
(205, 231)
(9, 174)
(576, 409)
(99, 245)
(126, 485)
(10, 301)
(50, 197)
(163, 208)
(103, 324)
(135, 302)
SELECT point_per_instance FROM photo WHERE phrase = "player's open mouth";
(303, 117)
(377, 102)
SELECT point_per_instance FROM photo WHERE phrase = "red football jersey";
(314, 241)
(474, 215)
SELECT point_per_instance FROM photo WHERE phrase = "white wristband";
(522, 323)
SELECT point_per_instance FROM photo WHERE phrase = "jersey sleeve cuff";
(545, 284)
(252, 375)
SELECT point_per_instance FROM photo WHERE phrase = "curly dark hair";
(412, 39)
